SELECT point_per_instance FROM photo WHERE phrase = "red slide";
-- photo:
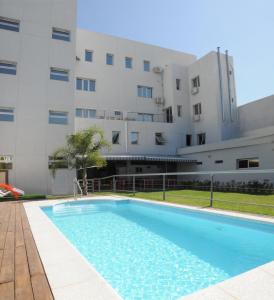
(11, 189)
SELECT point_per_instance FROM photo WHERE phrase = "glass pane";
(78, 84)
(79, 112)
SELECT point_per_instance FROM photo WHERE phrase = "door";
(3, 176)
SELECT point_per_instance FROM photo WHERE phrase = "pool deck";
(71, 277)
(22, 275)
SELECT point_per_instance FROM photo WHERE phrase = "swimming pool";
(150, 251)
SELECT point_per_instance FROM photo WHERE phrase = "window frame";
(59, 74)
(91, 55)
(144, 92)
(201, 138)
(146, 65)
(61, 34)
(248, 161)
(195, 82)
(9, 24)
(8, 67)
(130, 61)
(132, 140)
(57, 115)
(178, 84)
(117, 140)
(179, 111)
(7, 114)
(159, 139)
(197, 112)
(109, 55)
(90, 84)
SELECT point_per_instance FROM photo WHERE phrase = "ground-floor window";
(201, 138)
(246, 163)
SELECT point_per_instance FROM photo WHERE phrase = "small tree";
(83, 150)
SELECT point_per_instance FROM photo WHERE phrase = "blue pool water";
(150, 251)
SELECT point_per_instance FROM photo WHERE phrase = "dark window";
(197, 109)
(248, 163)
(61, 34)
(199, 163)
(188, 139)
(179, 110)
(159, 139)
(115, 137)
(178, 84)
(219, 161)
(201, 138)
(9, 24)
(196, 81)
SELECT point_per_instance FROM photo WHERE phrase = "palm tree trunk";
(85, 181)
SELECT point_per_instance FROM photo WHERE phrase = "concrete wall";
(256, 116)
(30, 139)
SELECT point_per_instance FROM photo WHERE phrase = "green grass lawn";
(222, 200)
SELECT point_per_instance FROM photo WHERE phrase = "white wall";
(30, 139)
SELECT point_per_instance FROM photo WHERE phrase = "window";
(201, 138)
(139, 170)
(88, 55)
(197, 109)
(7, 67)
(144, 91)
(85, 113)
(159, 139)
(188, 139)
(9, 24)
(179, 110)
(85, 84)
(109, 59)
(195, 81)
(115, 137)
(118, 115)
(248, 163)
(128, 62)
(6, 114)
(5, 162)
(143, 117)
(134, 138)
(57, 162)
(146, 65)
(59, 74)
(219, 161)
(178, 84)
(61, 34)
(58, 117)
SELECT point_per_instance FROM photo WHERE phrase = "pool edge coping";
(229, 289)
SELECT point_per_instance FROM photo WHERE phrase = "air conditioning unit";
(158, 70)
(159, 100)
(194, 90)
(196, 118)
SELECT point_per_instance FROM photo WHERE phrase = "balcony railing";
(128, 116)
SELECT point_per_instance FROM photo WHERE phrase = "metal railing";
(208, 188)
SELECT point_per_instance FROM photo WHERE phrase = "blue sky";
(244, 27)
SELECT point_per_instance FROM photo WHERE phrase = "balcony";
(119, 115)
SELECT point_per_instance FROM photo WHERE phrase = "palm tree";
(83, 150)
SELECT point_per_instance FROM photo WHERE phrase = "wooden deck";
(22, 276)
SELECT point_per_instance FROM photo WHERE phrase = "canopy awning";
(163, 158)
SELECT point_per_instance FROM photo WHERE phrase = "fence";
(251, 190)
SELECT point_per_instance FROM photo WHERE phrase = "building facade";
(162, 110)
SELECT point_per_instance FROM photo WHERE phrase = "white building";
(162, 110)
